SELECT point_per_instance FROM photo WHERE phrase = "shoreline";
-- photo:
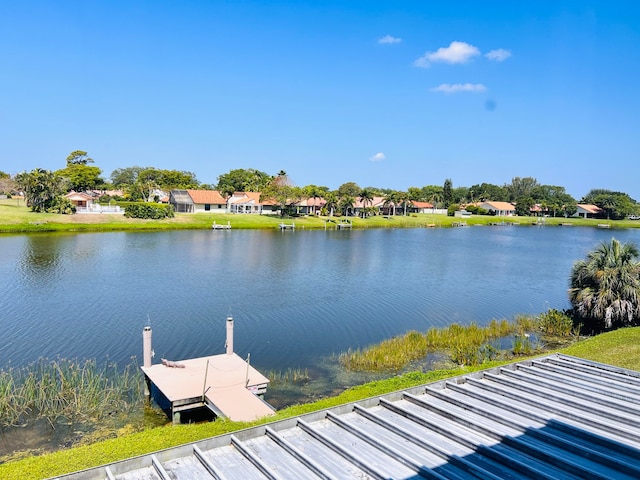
(18, 219)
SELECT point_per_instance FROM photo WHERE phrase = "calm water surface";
(297, 297)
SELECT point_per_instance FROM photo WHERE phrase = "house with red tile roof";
(501, 209)
(197, 201)
(420, 207)
(589, 211)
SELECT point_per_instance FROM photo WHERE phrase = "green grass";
(15, 217)
(620, 348)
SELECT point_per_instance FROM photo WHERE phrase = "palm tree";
(346, 204)
(366, 196)
(605, 287)
(389, 202)
(331, 199)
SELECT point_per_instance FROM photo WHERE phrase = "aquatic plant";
(296, 376)
(67, 390)
(465, 344)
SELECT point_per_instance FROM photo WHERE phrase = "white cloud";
(378, 157)
(456, 52)
(498, 55)
(388, 40)
(459, 87)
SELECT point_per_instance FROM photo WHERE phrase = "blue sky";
(386, 94)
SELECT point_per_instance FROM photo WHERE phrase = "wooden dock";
(226, 384)
(287, 226)
(344, 225)
(217, 226)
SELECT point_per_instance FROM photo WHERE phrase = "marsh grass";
(464, 344)
(291, 376)
(64, 390)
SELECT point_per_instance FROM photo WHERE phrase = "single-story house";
(420, 207)
(207, 201)
(245, 202)
(197, 201)
(588, 211)
(80, 199)
(311, 206)
(84, 203)
(501, 209)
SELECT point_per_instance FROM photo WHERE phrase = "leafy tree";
(461, 195)
(242, 180)
(122, 177)
(281, 191)
(177, 179)
(605, 287)
(78, 157)
(41, 188)
(350, 189)
(523, 206)
(81, 177)
(7, 184)
(447, 192)
(521, 187)
(617, 205)
(488, 192)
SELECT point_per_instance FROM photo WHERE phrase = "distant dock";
(218, 226)
(287, 226)
(225, 384)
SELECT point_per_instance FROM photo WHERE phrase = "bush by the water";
(152, 211)
(555, 323)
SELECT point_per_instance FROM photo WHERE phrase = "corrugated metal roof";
(556, 417)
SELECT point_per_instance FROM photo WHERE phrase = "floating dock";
(217, 226)
(225, 384)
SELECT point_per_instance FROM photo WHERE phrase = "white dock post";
(147, 354)
(229, 335)
(146, 346)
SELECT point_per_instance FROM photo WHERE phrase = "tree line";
(44, 189)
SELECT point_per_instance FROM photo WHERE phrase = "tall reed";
(67, 389)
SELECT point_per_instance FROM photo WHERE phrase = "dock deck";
(231, 387)
(218, 226)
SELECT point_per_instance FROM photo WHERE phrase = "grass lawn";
(620, 348)
(15, 217)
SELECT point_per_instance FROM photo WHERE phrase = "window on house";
(207, 207)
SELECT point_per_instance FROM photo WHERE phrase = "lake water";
(296, 297)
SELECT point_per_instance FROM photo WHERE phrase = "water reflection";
(41, 257)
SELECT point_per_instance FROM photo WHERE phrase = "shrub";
(453, 208)
(555, 323)
(62, 205)
(149, 210)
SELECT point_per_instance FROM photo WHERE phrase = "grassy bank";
(15, 217)
(620, 348)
